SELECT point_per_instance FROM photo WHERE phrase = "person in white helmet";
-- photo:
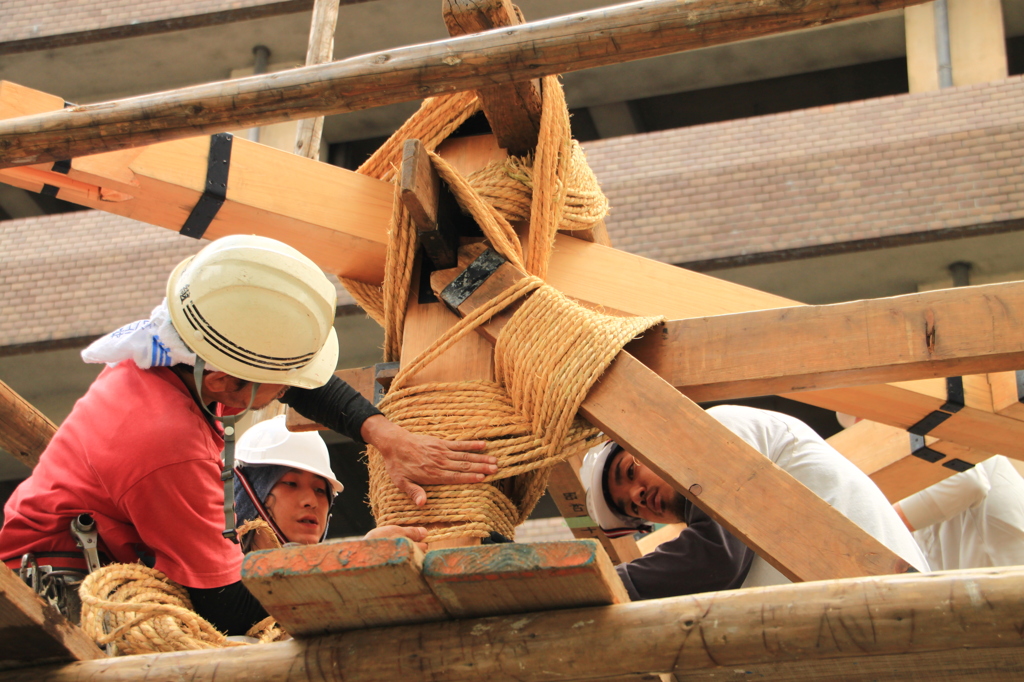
(624, 496)
(246, 320)
(285, 479)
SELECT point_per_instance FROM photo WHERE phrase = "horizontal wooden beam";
(961, 623)
(739, 487)
(585, 40)
(24, 431)
(942, 333)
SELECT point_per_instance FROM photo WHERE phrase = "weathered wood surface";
(941, 333)
(24, 431)
(512, 109)
(496, 580)
(738, 487)
(964, 623)
(573, 42)
(34, 633)
(320, 50)
(337, 586)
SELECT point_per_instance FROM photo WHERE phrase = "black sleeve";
(232, 609)
(704, 558)
(336, 405)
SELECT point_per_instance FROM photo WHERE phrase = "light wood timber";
(24, 431)
(495, 580)
(34, 633)
(884, 453)
(338, 217)
(933, 334)
(653, 540)
(512, 109)
(962, 623)
(742, 489)
(320, 50)
(1006, 394)
(572, 42)
(360, 378)
(334, 586)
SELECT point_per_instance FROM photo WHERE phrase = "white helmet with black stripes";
(257, 309)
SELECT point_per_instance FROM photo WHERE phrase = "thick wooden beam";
(34, 633)
(941, 333)
(512, 109)
(24, 431)
(496, 580)
(947, 626)
(319, 51)
(900, 463)
(334, 586)
(739, 487)
(573, 42)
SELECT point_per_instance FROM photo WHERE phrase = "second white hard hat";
(257, 309)
(270, 442)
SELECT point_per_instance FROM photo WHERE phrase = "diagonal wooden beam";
(740, 488)
(874, 628)
(24, 431)
(573, 42)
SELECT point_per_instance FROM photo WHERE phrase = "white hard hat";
(270, 442)
(593, 473)
(257, 309)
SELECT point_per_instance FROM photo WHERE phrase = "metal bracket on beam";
(954, 403)
(218, 163)
(383, 374)
(919, 449)
(463, 286)
(958, 465)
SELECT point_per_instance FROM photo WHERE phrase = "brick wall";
(27, 19)
(872, 169)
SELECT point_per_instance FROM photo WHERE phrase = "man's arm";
(409, 458)
(704, 558)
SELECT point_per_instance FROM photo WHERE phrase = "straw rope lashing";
(139, 610)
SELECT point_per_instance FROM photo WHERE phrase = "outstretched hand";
(414, 533)
(412, 459)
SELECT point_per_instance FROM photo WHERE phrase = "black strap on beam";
(218, 163)
(954, 403)
(475, 274)
(63, 167)
(958, 465)
(919, 449)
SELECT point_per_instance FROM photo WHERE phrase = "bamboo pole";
(573, 42)
(957, 618)
(320, 51)
(24, 431)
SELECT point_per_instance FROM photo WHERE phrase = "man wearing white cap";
(624, 496)
(246, 320)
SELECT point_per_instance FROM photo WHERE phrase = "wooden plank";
(573, 42)
(24, 431)
(933, 334)
(512, 109)
(959, 622)
(433, 210)
(320, 50)
(741, 488)
(334, 586)
(1007, 394)
(653, 540)
(34, 633)
(495, 580)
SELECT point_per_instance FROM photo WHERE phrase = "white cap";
(593, 473)
(270, 442)
(257, 309)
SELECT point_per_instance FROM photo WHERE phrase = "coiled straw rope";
(139, 610)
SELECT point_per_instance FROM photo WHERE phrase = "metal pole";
(942, 44)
